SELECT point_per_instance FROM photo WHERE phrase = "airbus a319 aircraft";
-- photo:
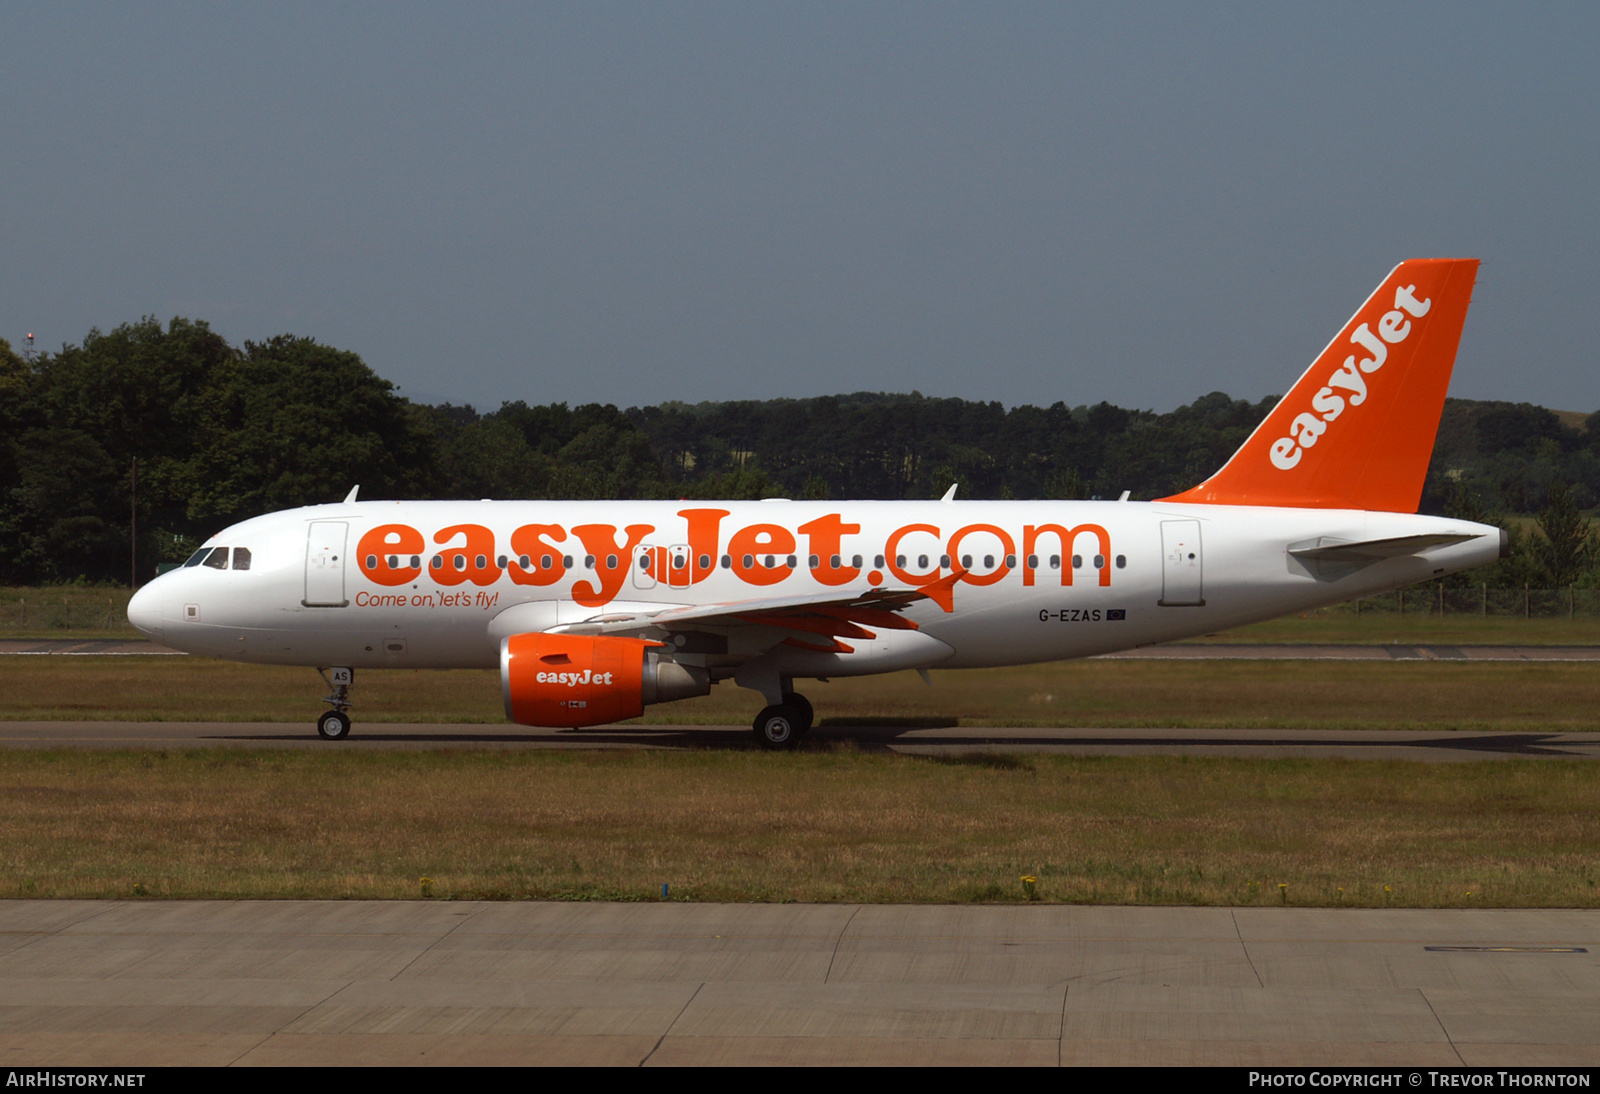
(594, 610)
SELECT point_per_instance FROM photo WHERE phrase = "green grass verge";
(817, 826)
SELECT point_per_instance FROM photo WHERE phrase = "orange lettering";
(704, 530)
(1008, 545)
(398, 541)
(756, 542)
(530, 540)
(474, 561)
(1067, 536)
(610, 560)
(891, 559)
(824, 536)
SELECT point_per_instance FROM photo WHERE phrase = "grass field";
(1501, 696)
(817, 826)
(830, 825)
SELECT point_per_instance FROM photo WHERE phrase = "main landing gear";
(783, 724)
(334, 725)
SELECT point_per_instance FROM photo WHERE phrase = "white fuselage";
(1145, 572)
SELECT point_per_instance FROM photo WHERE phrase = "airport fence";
(63, 608)
(1481, 600)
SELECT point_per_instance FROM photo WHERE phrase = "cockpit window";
(218, 559)
(198, 557)
(241, 558)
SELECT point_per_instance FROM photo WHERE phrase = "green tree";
(1569, 547)
(291, 422)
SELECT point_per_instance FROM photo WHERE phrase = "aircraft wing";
(830, 615)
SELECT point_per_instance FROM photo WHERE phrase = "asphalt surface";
(138, 984)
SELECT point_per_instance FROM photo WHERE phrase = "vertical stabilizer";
(1356, 431)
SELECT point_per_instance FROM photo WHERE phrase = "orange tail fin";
(1356, 431)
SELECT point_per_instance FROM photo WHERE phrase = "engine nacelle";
(586, 680)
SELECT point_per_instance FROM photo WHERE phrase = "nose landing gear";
(334, 725)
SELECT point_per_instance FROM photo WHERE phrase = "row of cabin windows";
(218, 557)
(546, 562)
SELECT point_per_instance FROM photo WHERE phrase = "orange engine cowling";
(585, 680)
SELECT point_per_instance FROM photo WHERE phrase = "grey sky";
(634, 203)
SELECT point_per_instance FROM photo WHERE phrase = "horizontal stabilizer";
(1324, 549)
(1330, 559)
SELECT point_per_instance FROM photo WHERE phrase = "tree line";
(170, 430)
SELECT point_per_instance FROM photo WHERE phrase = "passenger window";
(966, 562)
(1099, 562)
(878, 561)
(1011, 561)
(1033, 562)
(705, 562)
(566, 562)
(241, 558)
(218, 559)
(1122, 561)
(727, 562)
(1077, 562)
(1055, 562)
(855, 560)
(814, 562)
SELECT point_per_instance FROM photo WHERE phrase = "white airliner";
(593, 610)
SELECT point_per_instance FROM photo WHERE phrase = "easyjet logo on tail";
(1347, 386)
(1374, 415)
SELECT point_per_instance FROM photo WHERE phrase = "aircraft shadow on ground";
(895, 737)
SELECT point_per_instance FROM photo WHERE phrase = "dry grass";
(1340, 626)
(1501, 696)
(817, 826)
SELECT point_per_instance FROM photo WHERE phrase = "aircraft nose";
(144, 612)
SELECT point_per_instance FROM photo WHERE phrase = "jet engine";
(585, 680)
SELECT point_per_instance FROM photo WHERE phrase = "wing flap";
(831, 614)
